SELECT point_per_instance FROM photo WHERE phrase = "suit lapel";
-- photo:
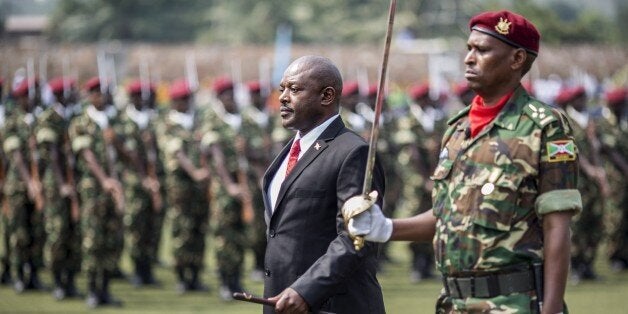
(270, 174)
(310, 155)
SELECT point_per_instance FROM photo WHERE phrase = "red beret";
(222, 84)
(508, 27)
(92, 83)
(135, 87)
(22, 88)
(372, 92)
(254, 86)
(419, 91)
(180, 89)
(616, 96)
(568, 94)
(350, 88)
(57, 84)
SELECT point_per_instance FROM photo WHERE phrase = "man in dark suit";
(311, 264)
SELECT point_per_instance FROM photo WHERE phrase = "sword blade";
(370, 163)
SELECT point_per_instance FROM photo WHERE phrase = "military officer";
(62, 204)
(141, 181)
(96, 145)
(225, 141)
(186, 185)
(592, 184)
(505, 188)
(23, 188)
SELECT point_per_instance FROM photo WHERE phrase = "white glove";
(372, 224)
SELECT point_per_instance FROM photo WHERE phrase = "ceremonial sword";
(370, 197)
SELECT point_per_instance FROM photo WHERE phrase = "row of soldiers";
(84, 174)
(80, 177)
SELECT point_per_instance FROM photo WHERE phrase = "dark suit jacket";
(308, 246)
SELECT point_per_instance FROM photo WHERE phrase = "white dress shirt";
(306, 142)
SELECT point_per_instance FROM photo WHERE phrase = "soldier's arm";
(188, 166)
(55, 163)
(220, 165)
(419, 228)
(20, 164)
(558, 200)
(556, 239)
(95, 168)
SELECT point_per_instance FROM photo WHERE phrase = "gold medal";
(487, 188)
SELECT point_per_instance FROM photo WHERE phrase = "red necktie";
(294, 156)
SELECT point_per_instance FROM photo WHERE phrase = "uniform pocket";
(498, 198)
(440, 191)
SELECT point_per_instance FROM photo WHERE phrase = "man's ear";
(328, 96)
(519, 59)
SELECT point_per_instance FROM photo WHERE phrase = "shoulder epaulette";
(459, 115)
(539, 112)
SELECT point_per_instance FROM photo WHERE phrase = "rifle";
(151, 169)
(109, 135)
(243, 180)
(69, 177)
(34, 172)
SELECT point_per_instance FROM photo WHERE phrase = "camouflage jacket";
(52, 131)
(492, 191)
(19, 128)
(86, 133)
(174, 137)
(137, 131)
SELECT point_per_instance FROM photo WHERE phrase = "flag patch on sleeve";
(563, 150)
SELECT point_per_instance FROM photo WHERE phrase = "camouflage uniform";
(141, 217)
(101, 222)
(189, 205)
(230, 230)
(63, 233)
(27, 231)
(586, 239)
(491, 193)
(614, 140)
(259, 145)
(417, 158)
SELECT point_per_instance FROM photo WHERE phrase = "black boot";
(33, 281)
(195, 282)
(19, 285)
(5, 278)
(181, 285)
(70, 285)
(138, 278)
(58, 292)
(149, 277)
(105, 296)
(93, 296)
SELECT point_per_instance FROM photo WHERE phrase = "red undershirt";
(480, 115)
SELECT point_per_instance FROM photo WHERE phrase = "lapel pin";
(317, 146)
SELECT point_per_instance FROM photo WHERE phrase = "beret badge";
(503, 26)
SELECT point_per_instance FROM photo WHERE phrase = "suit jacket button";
(267, 273)
(271, 233)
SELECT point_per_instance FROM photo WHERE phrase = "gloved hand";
(372, 224)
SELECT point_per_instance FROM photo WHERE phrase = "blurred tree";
(322, 21)
(149, 20)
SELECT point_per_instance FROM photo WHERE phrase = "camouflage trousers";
(102, 228)
(27, 234)
(140, 221)
(189, 212)
(258, 230)
(616, 217)
(586, 226)
(63, 235)
(5, 260)
(230, 235)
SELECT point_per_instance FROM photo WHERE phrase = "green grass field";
(608, 295)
